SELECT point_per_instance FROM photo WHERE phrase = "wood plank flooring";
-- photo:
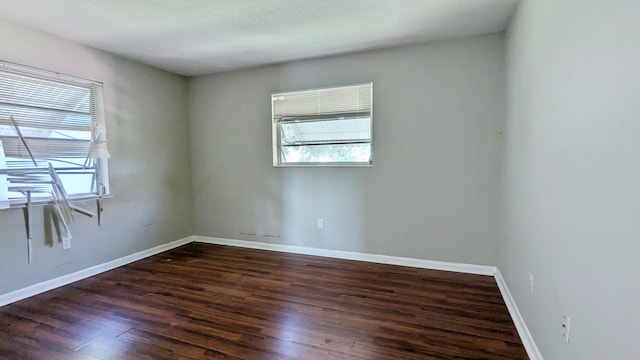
(207, 301)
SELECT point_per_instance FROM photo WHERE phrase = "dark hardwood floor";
(207, 301)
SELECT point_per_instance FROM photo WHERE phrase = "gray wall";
(572, 175)
(433, 190)
(149, 169)
(558, 196)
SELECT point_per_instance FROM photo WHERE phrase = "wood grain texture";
(210, 301)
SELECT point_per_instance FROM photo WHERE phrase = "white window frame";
(331, 103)
(101, 188)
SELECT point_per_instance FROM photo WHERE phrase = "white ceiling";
(193, 37)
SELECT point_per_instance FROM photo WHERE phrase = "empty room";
(338, 179)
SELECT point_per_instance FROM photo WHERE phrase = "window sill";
(326, 165)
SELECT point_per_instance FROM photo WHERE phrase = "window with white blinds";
(323, 127)
(50, 119)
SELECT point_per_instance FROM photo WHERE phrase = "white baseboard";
(518, 320)
(349, 255)
(44, 286)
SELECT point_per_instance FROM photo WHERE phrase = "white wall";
(433, 190)
(149, 168)
(572, 175)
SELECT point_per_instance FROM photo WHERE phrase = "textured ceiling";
(193, 37)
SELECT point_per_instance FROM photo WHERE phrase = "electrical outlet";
(66, 243)
(566, 327)
(320, 223)
(531, 283)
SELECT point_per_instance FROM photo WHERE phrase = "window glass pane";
(70, 134)
(326, 131)
(76, 183)
(350, 153)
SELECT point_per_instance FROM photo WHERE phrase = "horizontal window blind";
(54, 148)
(49, 118)
(344, 101)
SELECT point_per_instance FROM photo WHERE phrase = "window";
(323, 127)
(50, 120)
